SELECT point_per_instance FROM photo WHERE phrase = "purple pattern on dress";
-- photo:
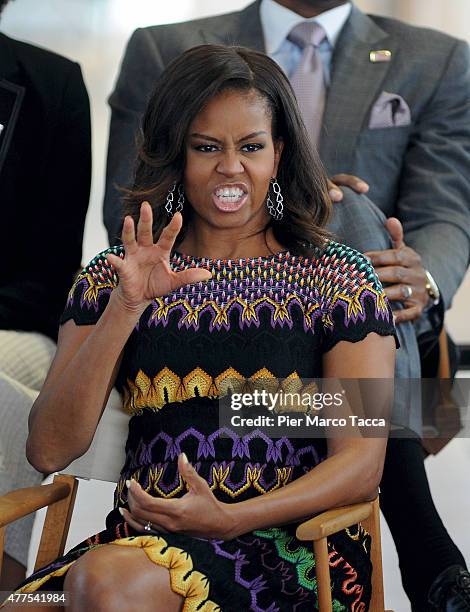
(280, 452)
(259, 584)
(254, 586)
(221, 312)
(380, 313)
(143, 453)
(84, 284)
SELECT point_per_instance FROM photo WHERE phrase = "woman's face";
(230, 159)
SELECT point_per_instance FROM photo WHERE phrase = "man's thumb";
(395, 229)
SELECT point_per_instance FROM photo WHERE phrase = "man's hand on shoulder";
(345, 180)
(402, 270)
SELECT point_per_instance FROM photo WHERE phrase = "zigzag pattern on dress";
(340, 277)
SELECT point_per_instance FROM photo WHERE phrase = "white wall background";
(94, 33)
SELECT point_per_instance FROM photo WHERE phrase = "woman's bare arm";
(66, 413)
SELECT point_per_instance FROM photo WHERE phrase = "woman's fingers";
(128, 236)
(190, 276)
(115, 261)
(142, 254)
(140, 526)
(144, 237)
(169, 234)
(194, 482)
(144, 226)
(140, 501)
(145, 232)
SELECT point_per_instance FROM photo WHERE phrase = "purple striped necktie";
(308, 79)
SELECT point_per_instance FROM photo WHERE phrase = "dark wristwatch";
(432, 289)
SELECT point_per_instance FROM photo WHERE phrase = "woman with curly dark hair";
(226, 276)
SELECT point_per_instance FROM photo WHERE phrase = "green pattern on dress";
(302, 558)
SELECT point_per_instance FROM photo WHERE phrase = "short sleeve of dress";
(353, 300)
(91, 290)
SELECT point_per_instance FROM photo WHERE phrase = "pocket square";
(389, 110)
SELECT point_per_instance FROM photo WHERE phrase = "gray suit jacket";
(417, 172)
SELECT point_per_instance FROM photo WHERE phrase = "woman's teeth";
(229, 195)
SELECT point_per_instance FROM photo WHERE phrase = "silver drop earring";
(170, 198)
(276, 210)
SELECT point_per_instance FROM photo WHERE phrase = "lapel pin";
(382, 55)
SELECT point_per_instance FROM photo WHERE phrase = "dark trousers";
(424, 547)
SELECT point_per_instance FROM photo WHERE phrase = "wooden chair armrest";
(332, 521)
(21, 502)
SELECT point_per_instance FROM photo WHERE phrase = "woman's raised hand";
(145, 272)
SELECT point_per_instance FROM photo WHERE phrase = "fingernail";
(128, 483)
(394, 318)
(121, 511)
(362, 185)
(335, 195)
(185, 459)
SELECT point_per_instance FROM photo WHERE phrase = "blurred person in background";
(45, 174)
(389, 103)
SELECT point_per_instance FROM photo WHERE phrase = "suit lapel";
(11, 96)
(356, 82)
(242, 28)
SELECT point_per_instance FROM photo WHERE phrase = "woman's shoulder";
(90, 292)
(346, 267)
(351, 296)
(100, 265)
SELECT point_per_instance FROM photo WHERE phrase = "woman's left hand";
(198, 513)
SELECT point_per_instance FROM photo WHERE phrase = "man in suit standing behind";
(394, 106)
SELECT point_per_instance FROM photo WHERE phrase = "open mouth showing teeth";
(229, 195)
(229, 199)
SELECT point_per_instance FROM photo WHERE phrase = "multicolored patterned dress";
(263, 317)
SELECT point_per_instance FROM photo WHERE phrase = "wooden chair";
(59, 498)
(447, 419)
